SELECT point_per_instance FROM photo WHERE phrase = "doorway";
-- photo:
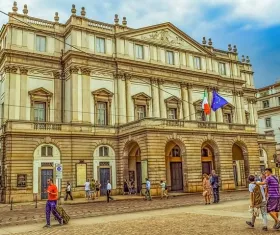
(104, 176)
(45, 175)
(139, 176)
(176, 176)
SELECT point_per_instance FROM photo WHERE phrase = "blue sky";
(252, 25)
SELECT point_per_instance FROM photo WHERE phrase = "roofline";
(276, 84)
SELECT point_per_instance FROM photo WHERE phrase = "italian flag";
(205, 105)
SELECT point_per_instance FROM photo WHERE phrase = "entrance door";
(104, 175)
(176, 176)
(45, 175)
(206, 167)
(139, 176)
(235, 173)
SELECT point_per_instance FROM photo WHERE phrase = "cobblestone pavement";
(27, 214)
(226, 218)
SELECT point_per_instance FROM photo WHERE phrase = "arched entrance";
(207, 159)
(134, 165)
(46, 156)
(174, 166)
(240, 164)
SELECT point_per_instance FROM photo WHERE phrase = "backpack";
(258, 197)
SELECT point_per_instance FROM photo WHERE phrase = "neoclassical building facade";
(112, 103)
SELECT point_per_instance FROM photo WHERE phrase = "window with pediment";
(173, 107)
(247, 117)
(102, 103)
(228, 113)
(141, 105)
(40, 99)
(199, 113)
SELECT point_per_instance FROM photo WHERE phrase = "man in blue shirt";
(148, 188)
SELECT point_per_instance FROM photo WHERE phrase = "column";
(251, 110)
(185, 98)
(129, 103)
(254, 106)
(235, 104)
(191, 107)
(121, 98)
(23, 94)
(210, 97)
(13, 94)
(74, 93)
(219, 113)
(239, 108)
(155, 97)
(57, 94)
(243, 108)
(5, 115)
(161, 100)
(86, 94)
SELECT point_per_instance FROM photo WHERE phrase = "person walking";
(51, 204)
(87, 189)
(163, 188)
(68, 191)
(148, 190)
(97, 188)
(215, 186)
(109, 188)
(92, 189)
(273, 201)
(258, 201)
(207, 189)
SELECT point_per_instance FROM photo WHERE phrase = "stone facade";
(120, 103)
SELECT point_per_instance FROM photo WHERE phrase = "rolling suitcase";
(63, 214)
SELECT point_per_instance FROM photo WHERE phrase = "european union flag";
(218, 101)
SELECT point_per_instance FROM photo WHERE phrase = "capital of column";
(184, 85)
(127, 76)
(85, 71)
(160, 81)
(74, 70)
(23, 71)
(252, 100)
(190, 85)
(56, 75)
(10, 69)
(154, 80)
(119, 75)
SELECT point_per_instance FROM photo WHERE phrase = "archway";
(45, 157)
(174, 166)
(134, 165)
(240, 164)
(104, 167)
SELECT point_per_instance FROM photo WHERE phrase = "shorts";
(87, 192)
(273, 205)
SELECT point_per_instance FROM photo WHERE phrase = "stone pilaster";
(161, 100)
(74, 93)
(251, 111)
(23, 93)
(239, 108)
(129, 103)
(121, 98)
(155, 97)
(185, 98)
(242, 108)
(210, 97)
(86, 94)
(191, 106)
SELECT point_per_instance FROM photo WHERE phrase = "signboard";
(81, 170)
(58, 171)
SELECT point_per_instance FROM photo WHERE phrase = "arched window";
(103, 151)
(204, 152)
(46, 151)
(175, 152)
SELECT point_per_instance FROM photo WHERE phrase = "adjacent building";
(111, 102)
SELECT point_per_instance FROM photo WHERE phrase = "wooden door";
(104, 175)
(235, 173)
(139, 176)
(176, 176)
(45, 175)
(206, 167)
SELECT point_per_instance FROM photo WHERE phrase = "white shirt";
(68, 188)
(87, 186)
(251, 190)
(109, 186)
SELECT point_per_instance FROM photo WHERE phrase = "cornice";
(268, 111)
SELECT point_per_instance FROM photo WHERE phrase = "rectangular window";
(172, 113)
(41, 43)
(170, 57)
(102, 113)
(227, 118)
(39, 112)
(141, 111)
(100, 45)
(197, 62)
(139, 52)
(268, 122)
(266, 104)
(222, 68)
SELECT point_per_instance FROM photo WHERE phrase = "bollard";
(11, 204)
(36, 201)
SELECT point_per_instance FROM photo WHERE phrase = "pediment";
(102, 92)
(166, 35)
(40, 92)
(228, 106)
(141, 96)
(173, 99)
(198, 102)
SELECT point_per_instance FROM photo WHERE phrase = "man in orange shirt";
(51, 204)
